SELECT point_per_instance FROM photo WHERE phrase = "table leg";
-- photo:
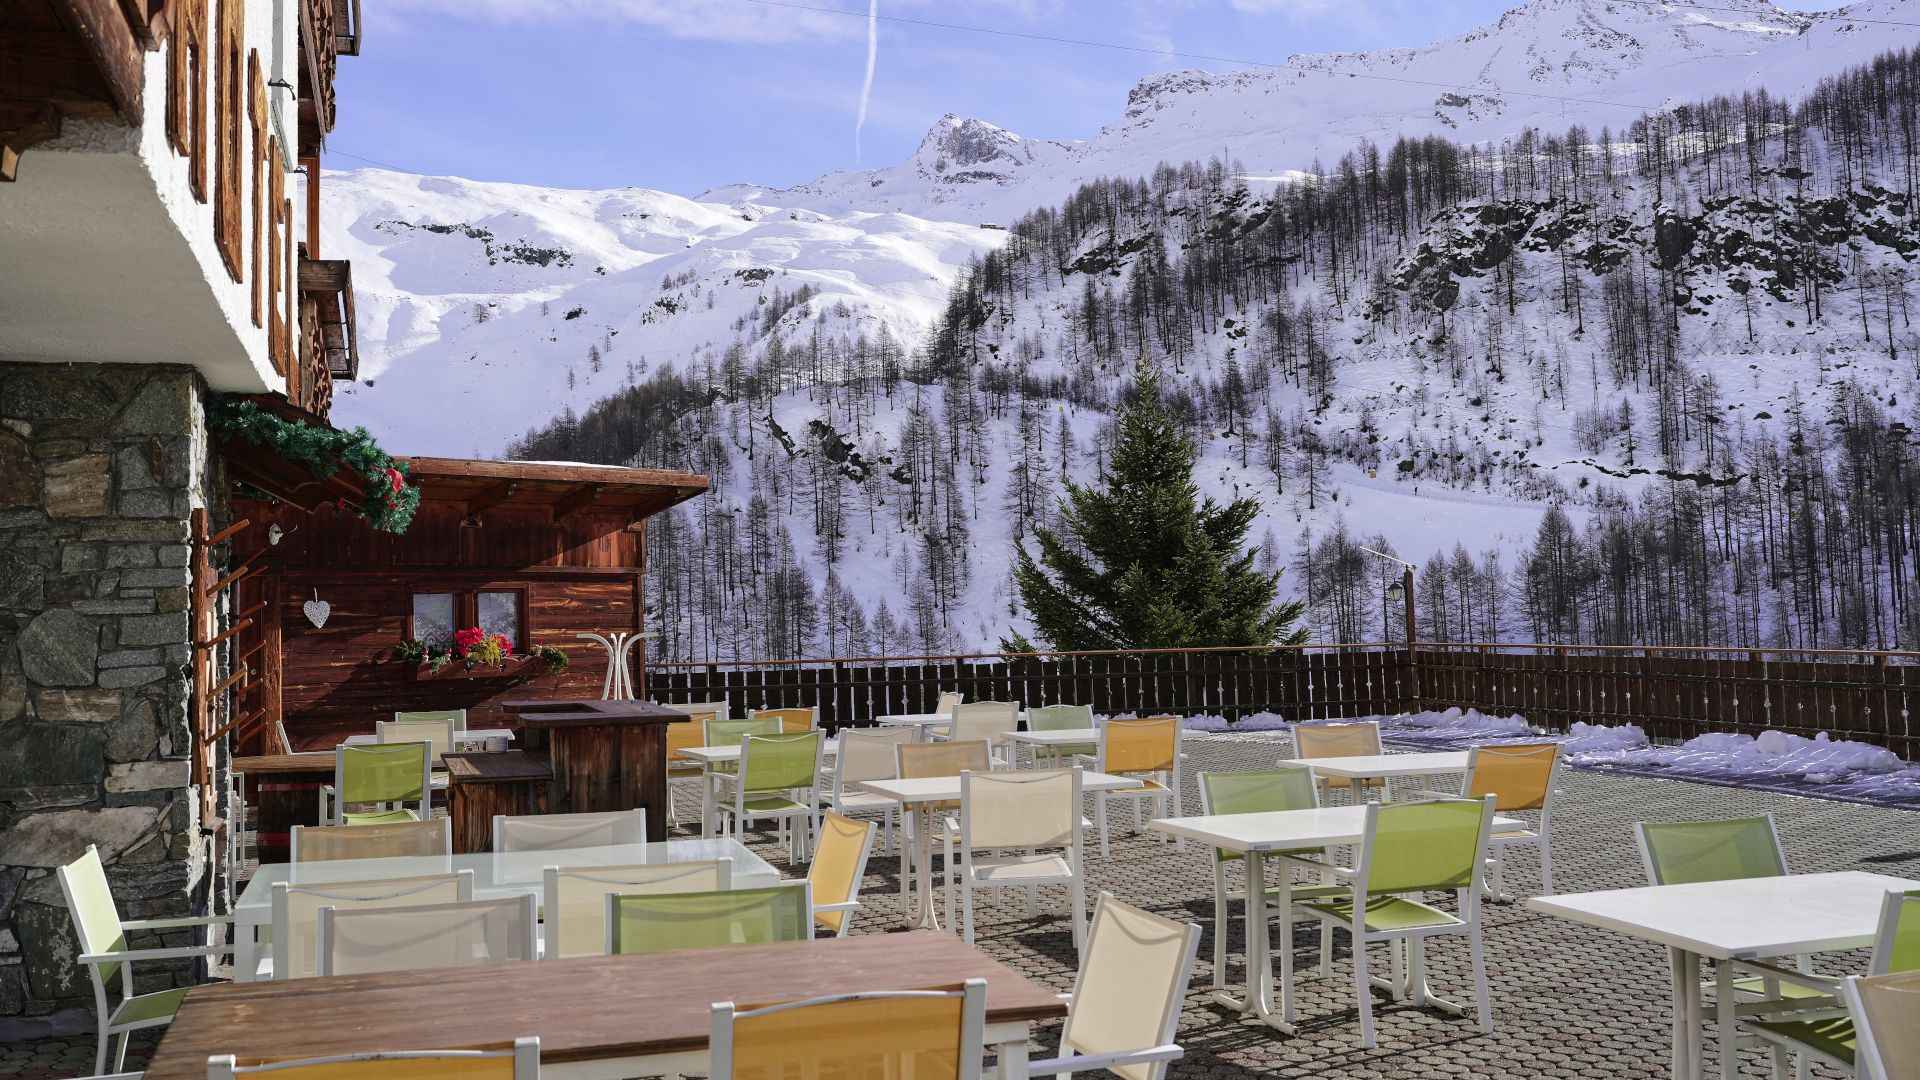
(1286, 942)
(1686, 1011)
(246, 950)
(1013, 1060)
(706, 802)
(929, 918)
(1725, 1026)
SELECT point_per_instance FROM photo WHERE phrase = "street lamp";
(1400, 592)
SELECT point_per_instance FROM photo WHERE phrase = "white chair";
(1263, 791)
(1357, 738)
(1806, 1025)
(554, 832)
(779, 780)
(236, 833)
(286, 741)
(936, 1034)
(521, 1061)
(1886, 1012)
(948, 699)
(437, 733)
(1523, 778)
(397, 840)
(575, 910)
(917, 760)
(867, 754)
(719, 708)
(458, 717)
(429, 936)
(992, 721)
(381, 775)
(839, 865)
(1125, 1008)
(102, 936)
(791, 720)
(1031, 821)
(1148, 750)
(296, 912)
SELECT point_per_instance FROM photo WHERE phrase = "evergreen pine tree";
(1141, 561)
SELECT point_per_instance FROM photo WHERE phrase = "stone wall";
(100, 468)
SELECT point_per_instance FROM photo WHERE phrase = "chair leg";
(953, 878)
(1326, 950)
(120, 1052)
(1480, 978)
(100, 1048)
(966, 905)
(1077, 891)
(1100, 819)
(1220, 925)
(1363, 991)
(1546, 867)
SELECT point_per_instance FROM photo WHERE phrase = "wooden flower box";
(518, 667)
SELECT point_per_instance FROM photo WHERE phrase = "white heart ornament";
(317, 612)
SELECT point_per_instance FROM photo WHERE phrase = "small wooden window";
(501, 612)
(497, 611)
(257, 114)
(230, 97)
(187, 91)
(435, 617)
(279, 218)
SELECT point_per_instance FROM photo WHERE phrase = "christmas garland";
(388, 501)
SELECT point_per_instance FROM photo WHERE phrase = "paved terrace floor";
(1569, 1002)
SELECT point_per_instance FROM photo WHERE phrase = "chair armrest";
(844, 905)
(175, 952)
(1824, 984)
(1433, 795)
(1085, 1062)
(1313, 864)
(168, 924)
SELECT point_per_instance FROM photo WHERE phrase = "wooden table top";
(479, 767)
(583, 1009)
(270, 764)
(589, 712)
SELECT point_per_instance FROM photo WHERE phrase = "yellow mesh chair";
(1803, 1026)
(933, 1034)
(519, 1060)
(1147, 749)
(1523, 778)
(918, 760)
(1408, 849)
(575, 899)
(682, 772)
(385, 776)
(867, 754)
(296, 911)
(400, 839)
(992, 721)
(557, 832)
(102, 936)
(1358, 739)
(791, 721)
(427, 936)
(1886, 1009)
(1031, 821)
(662, 922)
(1125, 1008)
(718, 709)
(837, 870)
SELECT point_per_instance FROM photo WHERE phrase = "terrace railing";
(1673, 693)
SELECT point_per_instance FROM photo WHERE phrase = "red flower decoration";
(506, 647)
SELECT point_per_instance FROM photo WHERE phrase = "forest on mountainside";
(1687, 341)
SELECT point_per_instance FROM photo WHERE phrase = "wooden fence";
(1671, 693)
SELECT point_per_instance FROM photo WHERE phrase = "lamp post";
(1400, 591)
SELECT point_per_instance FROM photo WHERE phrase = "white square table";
(922, 795)
(1254, 836)
(1385, 767)
(921, 723)
(709, 756)
(1741, 919)
(495, 874)
(1052, 741)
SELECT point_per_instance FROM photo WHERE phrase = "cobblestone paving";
(1569, 1002)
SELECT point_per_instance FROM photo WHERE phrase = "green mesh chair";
(730, 732)
(102, 937)
(458, 716)
(385, 776)
(779, 780)
(1062, 718)
(661, 922)
(1261, 792)
(1409, 849)
(1820, 1035)
(1682, 852)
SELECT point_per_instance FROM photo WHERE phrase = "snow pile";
(1260, 721)
(1458, 721)
(1772, 755)
(1587, 739)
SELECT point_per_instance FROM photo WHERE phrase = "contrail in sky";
(866, 85)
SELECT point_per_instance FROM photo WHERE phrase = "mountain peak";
(958, 143)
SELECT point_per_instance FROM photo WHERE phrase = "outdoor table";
(923, 795)
(596, 1016)
(1254, 835)
(1051, 741)
(481, 785)
(921, 723)
(1386, 767)
(458, 737)
(495, 874)
(709, 756)
(1744, 919)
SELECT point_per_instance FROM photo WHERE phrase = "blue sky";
(682, 95)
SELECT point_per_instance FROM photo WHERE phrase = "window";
(230, 107)
(433, 619)
(499, 613)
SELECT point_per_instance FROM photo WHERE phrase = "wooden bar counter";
(605, 755)
(480, 785)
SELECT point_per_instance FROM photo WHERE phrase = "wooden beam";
(489, 499)
(575, 501)
(116, 50)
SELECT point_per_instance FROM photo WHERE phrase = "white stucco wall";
(111, 258)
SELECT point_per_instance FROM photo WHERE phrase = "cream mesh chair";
(992, 721)
(917, 760)
(437, 733)
(662, 922)
(779, 780)
(519, 1060)
(1522, 778)
(792, 721)
(554, 832)
(837, 870)
(947, 702)
(429, 936)
(1132, 981)
(1412, 848)
(1818, 1035)
(1031, 820)
(575, 910)
(296, 911)
(1290, 787)
(867, 754)
(718, 709)
(1886, 1009)
(286, 741)
(1148, 750)
(1360, 738)
(932, 1034)
(102, 936)
(401, 839)
(385, 776)
(685, 772)
(457, 717)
